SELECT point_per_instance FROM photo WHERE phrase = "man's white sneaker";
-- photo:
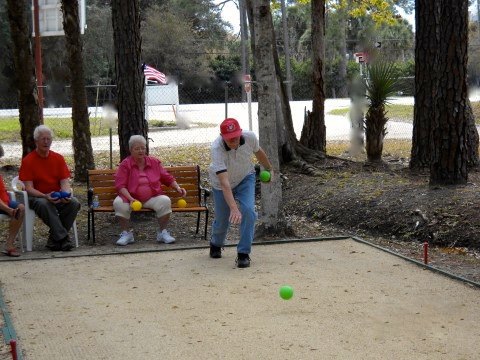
(126, 237)
(165, 237)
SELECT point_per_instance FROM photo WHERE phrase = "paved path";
(338, 127)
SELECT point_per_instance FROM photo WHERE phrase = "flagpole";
(146, 99)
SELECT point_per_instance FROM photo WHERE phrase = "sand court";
(351, 301)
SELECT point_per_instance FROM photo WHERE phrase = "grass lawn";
(404, 113)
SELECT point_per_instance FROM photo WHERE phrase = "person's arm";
(174, 185)
(7, 209)
(121, 182)
(126, 194)
(34, 192)
(65, 186)
(263, 160)
(235, 214)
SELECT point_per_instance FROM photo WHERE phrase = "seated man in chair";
(45, 174)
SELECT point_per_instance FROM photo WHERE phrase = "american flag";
(153, 74)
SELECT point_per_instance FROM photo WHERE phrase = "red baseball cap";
(229, 128)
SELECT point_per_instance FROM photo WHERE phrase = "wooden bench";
(101, 183)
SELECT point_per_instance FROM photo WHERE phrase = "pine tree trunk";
(449, 127)
(82, 144)
(271, 210)
(314, 130)
(129, 72)
(472, 138)
(427, 15)
(24, 72)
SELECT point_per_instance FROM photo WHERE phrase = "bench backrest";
(102, 182)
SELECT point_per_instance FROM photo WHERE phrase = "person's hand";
(14, 213)
(53, 200)
(235, 216)
(182, 191)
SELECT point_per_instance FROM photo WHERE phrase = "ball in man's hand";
(56, 195)
(265, 176)
(65, 194)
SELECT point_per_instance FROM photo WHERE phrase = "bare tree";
(82, 143)
(24, 72)
(129, 72)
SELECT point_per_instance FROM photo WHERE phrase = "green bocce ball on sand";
(286, 292)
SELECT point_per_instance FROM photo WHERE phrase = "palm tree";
(381, 83)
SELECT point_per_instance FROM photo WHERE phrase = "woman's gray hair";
(136, 139)
(41, 129)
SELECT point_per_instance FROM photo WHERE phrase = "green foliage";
(7, 78)
(403, 113)
(333, 82)
(160, 123)
(381, 11)
(61, 127)
(302, 73)
(382, 82)
(226, 67)
(98, 56)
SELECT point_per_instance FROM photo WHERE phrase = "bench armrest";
(206, 193)
(21, 196)
(89, 197)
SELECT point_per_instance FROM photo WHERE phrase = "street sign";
(247, 79)
(361, 57)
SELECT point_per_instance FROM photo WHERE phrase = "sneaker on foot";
(243, 260)
(126, 237)
(165, 237)
(215, 252)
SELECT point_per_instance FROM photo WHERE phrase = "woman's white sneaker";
(126, 237)
(165, 237)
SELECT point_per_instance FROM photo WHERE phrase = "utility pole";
(286, 49)
(244, 41)
(38, 58)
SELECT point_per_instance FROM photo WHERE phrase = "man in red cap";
(232, 175)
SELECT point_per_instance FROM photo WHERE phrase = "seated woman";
(16, 212)
(139, 177)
